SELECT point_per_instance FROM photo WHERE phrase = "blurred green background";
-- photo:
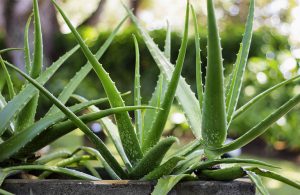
(274, 57)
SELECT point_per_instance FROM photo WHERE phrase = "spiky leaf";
(240, 65)
(125, 127)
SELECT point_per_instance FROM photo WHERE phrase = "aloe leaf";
(137, 92)
(157, 96)
(27, 140)
(53, 156)
(37, 62)
(165, 184)
(187, 149)
(258, 183)
(66, 162)
(15, 105)
(41, 134)
(26, 117)
(252, 102)
(164, 169)
(4, 192)
(10, 85)
(94, 139)
(76, 174)
(9, 49)
(273, 175)
(69, 125)
(88, 165)
(225, 174)
(111, 129)
(208, 164)
(214, 110)
(158, 125)
(190, 160)
(167, 48)
(240, 65)
(198, 60)
(260, 128)
(26, 46)
(151, 159)
(126, 130)
(11, 128)
(159, 91)
(83, 72)
(99, 157)
(184, 94)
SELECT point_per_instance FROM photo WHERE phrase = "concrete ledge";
(124, 187)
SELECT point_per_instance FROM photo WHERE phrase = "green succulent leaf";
(10, 49)
(89, 166)
(66, 162)
(14, 106)
(4, 192)
(112, 131)
(83, 72)
(214, 125)
(58, 130)
(126, 130)
(164, 169)
(94, 139)
(157, 96)
(75, 174)
(258, 183)
(260, 128)
(190, 160)
(208, 164)
(184, 94)
(33, 138)
(252, 102)
(240, 65)
(167, 48)
(273, 175)
(151, 159)
(53, 156)
(10, 85)
(165, 184)
(99, 157)
(68, 125)
(158, 125)
(198, 60)
(187, 149)
(159, 91)
(11, 128)
(27, 115)
(26, 45)
(137, 92)
(224, 174)
(37, 63)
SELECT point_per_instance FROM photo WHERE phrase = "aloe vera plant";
(21, 135)
(217, 108)
(144, 155)
(137, 146)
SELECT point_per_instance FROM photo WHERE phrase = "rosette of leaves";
(21, 135)
(136, 147)
(211, 114)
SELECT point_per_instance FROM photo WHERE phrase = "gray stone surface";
(123, 187)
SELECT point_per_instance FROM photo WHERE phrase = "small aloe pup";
(217, 109)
